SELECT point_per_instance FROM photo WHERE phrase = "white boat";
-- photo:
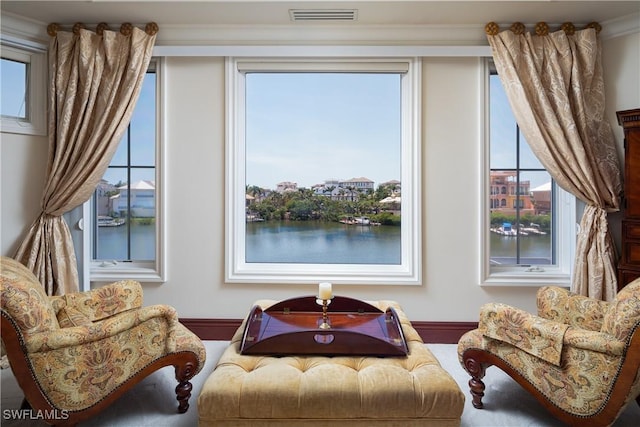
(107, 221)
(534, 229)
(355, 220)
(362, 220)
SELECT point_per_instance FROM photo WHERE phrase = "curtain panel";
(555, 86)
(94, 82)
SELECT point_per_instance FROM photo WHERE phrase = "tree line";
(305, 205)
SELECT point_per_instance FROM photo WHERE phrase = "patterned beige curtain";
(95, 80)
(554, 82)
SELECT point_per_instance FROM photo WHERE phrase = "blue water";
(112, 243)
(317, 243)
(321, 243)
(534, 249)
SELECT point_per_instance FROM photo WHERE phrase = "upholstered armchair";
(580, 357)
(73, 355)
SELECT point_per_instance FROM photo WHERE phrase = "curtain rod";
(126, 28)
(540, 29)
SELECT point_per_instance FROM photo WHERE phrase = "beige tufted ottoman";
(325, 391)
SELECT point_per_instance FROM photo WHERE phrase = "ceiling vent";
(323, 14)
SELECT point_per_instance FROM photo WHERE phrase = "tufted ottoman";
(325, 391)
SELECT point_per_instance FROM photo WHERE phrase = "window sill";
(532, 279)
(22, 127)
(110, 271)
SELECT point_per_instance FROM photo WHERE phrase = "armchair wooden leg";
(476, 387)
(184, 372)
(183, 393)
(477, 371)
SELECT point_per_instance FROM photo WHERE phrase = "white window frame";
(237, 270)
(155, 271)
(564, 224)
(35, 55)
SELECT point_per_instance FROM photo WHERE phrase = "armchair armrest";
(79, 335)
(535, 335)
(102, 302)
(561, 305)
(594, 341)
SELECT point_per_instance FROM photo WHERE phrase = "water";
(112, 242)
(318, 243)
(534, 249)
(321, 243)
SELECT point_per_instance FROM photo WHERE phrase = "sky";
(311, 127)
(142, 128)
(13, 88)
(503, 136)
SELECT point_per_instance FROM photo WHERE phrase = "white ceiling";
(273, 12)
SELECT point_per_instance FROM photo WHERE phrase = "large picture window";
(322, 167)
(529, 218)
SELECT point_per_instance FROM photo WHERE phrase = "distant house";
(394, 185)
(142, 200)
(542, 198)
(361, 184)
(286, 186)
(349, 189)
(347, 194)
(508, 194)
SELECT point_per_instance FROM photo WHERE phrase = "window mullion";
(517, 224)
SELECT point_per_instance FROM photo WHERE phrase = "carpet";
(152, 401)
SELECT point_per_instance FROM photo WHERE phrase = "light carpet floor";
(152, 402)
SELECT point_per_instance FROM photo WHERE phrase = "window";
(530, 223)
(322, 171)
(126, 209)
(23, 75)
(14, 88)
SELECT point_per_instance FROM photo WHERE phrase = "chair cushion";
(105, 301)
(24, 298)
(69, 316)
(624, 312)
(561, 305)
(537, 336)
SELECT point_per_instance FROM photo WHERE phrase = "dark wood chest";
(629, 267)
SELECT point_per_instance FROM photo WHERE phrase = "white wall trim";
(321, 51)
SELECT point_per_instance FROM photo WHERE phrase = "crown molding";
(17, 27)
(618, 27)
(334, 34)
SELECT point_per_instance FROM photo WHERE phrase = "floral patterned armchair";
(580, 357)
(73, 355)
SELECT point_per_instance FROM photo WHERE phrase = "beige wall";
(195, 169)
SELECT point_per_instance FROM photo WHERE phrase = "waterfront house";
(286, 186)
(507, 193)
(142, 200)
(360, 184)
